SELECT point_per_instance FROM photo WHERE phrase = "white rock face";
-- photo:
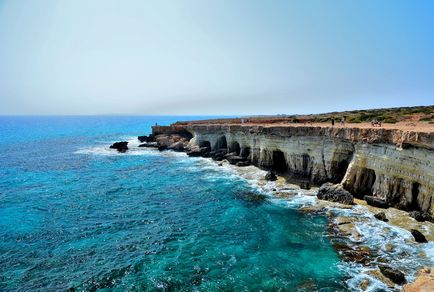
(366, 161)
(402, 177)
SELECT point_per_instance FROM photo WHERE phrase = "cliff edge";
(391, 164)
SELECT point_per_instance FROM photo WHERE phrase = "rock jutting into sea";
(386, 167)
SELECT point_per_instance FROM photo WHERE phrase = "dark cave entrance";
(245, 152)
(279, 161)
(221, 143)
(414, 194)
(235, 147)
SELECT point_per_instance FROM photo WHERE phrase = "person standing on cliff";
(333, 122)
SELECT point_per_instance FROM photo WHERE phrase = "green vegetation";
(384, 115)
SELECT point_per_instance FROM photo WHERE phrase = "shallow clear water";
(75, 214)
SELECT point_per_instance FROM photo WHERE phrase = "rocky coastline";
(382, 170)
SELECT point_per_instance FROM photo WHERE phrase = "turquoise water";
(76, 215)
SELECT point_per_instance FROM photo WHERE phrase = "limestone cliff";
(394, 165)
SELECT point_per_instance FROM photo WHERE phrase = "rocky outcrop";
(381, 216)
(421, 216)
(376, 202)
(418, 236)
(393, 166)
(424, 282)
(335, 193)
(120, 146)
(271, 176)
(394, 275)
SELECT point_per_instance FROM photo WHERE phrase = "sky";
(215, 57)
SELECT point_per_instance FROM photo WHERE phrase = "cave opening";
(245, 152)
(414, 194)
(221, 143)
(279, 161)
(235, 147)
(366, 181)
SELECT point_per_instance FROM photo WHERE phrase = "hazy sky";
(214, 57)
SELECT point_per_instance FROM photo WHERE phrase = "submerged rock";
(421, 216)
(394, 275)
(356, 254)
(381, 216)
(418, 236)
(120, 146)
(335, 193)
(376, 202)
(250, 197)
(271, 176)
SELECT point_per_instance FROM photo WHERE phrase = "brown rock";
(394, 275)
(424, 282)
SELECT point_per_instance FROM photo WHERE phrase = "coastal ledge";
(393, 165)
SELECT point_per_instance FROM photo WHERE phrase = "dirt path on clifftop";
(404, 126)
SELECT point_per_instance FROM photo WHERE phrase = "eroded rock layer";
(393, 165)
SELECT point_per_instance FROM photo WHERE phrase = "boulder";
(271, 176)
(394, 275)
(376, 202)
(305, 185)
(199, 152)
(230, 154)
(194, 152)
(421, 216)
(243, 163)
(418, 236)
(235, 159)
(177, 146)
(381, 216)
(335, 193)
(120, 146)
(218, 155)
(205, 152)
(162, 147)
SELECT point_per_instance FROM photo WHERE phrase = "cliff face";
(393, 165)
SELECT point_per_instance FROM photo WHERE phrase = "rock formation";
(335, 193)
(418, 236)
(120, 146)
(381, 216)
(394, 275)
(386, 166)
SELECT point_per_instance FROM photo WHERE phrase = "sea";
(78, 216)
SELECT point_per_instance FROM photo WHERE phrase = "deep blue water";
(74, 214)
